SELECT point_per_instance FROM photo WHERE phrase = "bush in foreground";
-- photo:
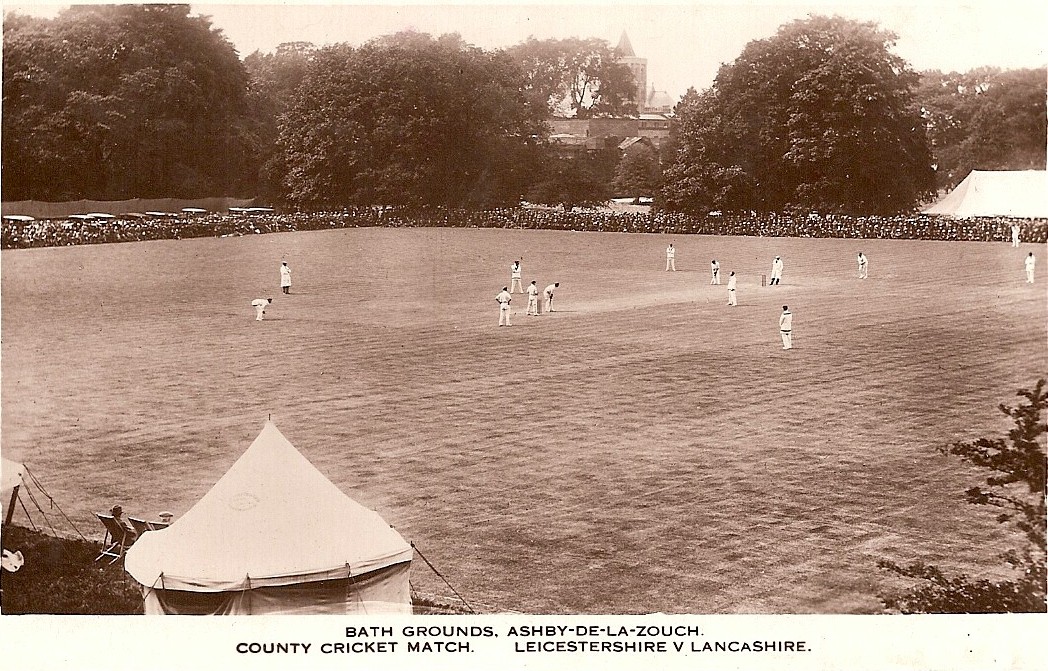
(1015, 486)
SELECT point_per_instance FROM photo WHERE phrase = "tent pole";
(11, 505)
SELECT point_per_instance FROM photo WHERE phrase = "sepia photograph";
(532, 335)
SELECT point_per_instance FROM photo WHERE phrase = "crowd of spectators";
(61, 232)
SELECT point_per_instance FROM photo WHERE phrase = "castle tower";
(639, 68)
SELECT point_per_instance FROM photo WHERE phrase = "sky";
(685, 44)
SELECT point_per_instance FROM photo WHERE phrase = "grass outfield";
(645, 448)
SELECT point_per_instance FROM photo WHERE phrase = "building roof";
(625, 49)
(659, 99)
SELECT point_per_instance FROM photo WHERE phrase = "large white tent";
(273, 536)
(997, 193)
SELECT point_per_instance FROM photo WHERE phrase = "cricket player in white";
(533, 300)
(547, 293)
(1016, 228)
(715, 267)
(786, 327)
(1029, 264)
(671, 253)
(514, 278)
(285, 278)
(260, 307)
(732, 300)
(776, 270)
(863, 266)
(504, 299)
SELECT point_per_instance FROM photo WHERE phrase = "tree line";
(112, 102)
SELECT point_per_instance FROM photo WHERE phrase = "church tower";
(639, 68)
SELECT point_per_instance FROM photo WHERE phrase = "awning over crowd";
(997, 193)
(273, 535)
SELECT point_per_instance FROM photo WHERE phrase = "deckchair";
(118, 538)
(140, 525)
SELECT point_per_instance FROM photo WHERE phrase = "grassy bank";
(60, 577)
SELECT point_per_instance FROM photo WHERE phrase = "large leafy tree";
(1015, 486)
(698, 180)
(570, 180)
(581, 77)
(409, 120)
(120, 101)
(638, 172)
(274, 77)
(985, 119)
(819, 116)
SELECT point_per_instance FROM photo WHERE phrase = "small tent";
(273, 536)
(997, 193)
(10, 480)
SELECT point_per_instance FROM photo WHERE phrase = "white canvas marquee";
(997, 193)
(273, 535)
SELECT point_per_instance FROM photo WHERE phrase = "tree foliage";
(273, 79)
(121, 101)
(580, 77)
(409, 120)
(1016, 486)
(985, 119)
(583, 179)
(820, 116)
(638, 172)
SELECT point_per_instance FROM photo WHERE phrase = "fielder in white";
(260, 305)
(533, 300)
(1016, 229)
(285, 278)
(514, 278)
(504, 299)
(671, 253)
(547, 293)
(732, 300)
(863, 266)
(776, 270)
(786, 327)
(715, 267)
(1029, 264)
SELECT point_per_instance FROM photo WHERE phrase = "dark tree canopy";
(576, 76)
(984, 119)
(820, 116)
(409, 120)
(273, 79)
(638, 172)
(582, 179)
(121, 101)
